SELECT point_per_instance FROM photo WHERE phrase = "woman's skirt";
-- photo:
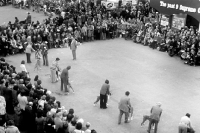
(53, 76)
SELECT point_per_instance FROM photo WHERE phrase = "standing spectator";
(22, 99)
(124, 107)
(38, 58)
(44, 53)
(185, 125)
(11, 128)
(156, 112)
(2, 110)
(28, 18)
(28, 52)
(23, 67)
(103, 94)
(40, 122)
(87, 128)
(58, 121)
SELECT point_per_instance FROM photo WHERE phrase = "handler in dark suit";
(103, 94)
(65, 78)
(124, 107)
(156, 112)
(28, 18)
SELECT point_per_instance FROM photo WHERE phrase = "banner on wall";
(134, 2)
(164, 20)
(108, 5)
(170, 7)
(178, 22)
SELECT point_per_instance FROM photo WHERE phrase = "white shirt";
(88, 131)
(23, 67)
(186, 121)
(22, 101)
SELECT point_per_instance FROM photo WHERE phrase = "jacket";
(105, 89)
(124, 104)
(156, 112)
(64, 74)
(73, 45)
(12, 129)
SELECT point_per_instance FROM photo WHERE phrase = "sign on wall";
(164, 20)
(178, 22)
(108, 5)
(190, 7)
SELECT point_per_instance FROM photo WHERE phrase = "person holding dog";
(65, 79)
(154, 117)
(105, 90)
(124, 107)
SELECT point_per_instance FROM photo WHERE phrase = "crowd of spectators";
(29, 107)
(87, 22)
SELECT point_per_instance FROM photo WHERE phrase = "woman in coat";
(29, 49)
(54, 71)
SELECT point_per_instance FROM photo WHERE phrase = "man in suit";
(124, 107)
(73, 46)
(103, 94)
(156, 112)
(65, 79)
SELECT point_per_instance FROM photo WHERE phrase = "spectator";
(11, 128)
(87, 128)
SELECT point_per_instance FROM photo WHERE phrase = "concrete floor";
(151, 76)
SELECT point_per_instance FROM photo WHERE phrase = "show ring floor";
(150, 76)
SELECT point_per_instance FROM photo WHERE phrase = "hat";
(57, 59)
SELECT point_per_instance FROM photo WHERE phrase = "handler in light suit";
(73, 47)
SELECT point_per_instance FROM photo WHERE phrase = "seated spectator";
(87, 128)
(11, 128)
(40, 122)
(58, 121)
(78, 128)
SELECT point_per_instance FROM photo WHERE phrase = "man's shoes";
(142, 124)
(119, 123)
(131, 118)
(127, 122)
(66, 93)
(105, 108)
(148, 131)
